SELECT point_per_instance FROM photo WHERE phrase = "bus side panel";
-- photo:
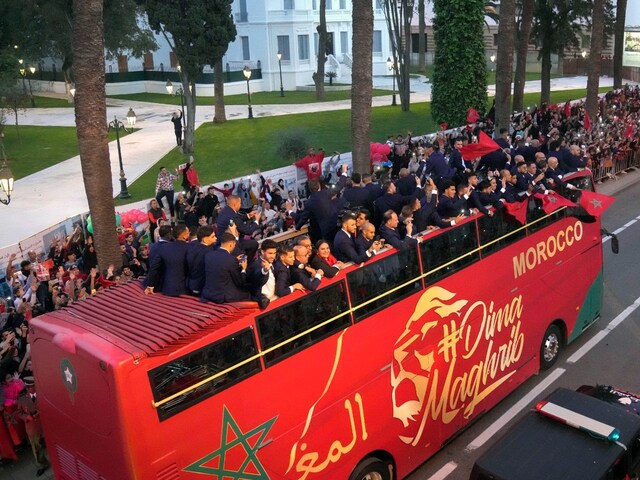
(78, 402)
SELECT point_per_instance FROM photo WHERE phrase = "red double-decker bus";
(365, 378)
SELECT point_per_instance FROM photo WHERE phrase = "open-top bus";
(364, 378)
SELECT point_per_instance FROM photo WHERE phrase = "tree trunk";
(504, 63)
(560, 69)
(621, 12)
(219, 115)
(189, 89)
(318, 76)
(595, 58)
(405, 91)
(521, 55)
(91, 126)
(422, 44)
(362, 84)
(545, 76)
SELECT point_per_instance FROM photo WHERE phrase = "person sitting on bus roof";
(451, 205)
(344, 243)
(389, 231)
(196, 251)
(282, 269)
(426, 217)
(261, 275)
(324, 260)
(168, 271)
(366, 241)
(554, 174)
(302, 273)
(225, 275)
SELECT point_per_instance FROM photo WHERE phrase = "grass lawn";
(238, 147)
(40, 147)
(258, 98)
(50, 102)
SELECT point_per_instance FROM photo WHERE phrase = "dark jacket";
(224, 280)
(344, 249)
(168, 269)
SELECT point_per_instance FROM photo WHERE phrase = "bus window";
(199, 365)
(281, 327)
(379, 278)
(498, 231)
(439, 252)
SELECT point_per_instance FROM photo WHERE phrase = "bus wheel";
(550, 348)
(372, 469)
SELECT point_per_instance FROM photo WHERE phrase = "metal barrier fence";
(609, 169)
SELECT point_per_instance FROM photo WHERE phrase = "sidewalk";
(57, 193)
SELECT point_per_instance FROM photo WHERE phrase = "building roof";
(148, 324)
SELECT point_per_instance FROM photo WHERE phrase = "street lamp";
(117, 125)
(246, 71)
(493, 58)
(180, 91)
(32, 70)
(72, 91)
(279, 55)
(131, 119)
(6, 177)
(392, 68)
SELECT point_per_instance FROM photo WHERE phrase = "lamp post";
(391, 66)
(584, 58)
(246, 71)
(6, 177)
(180, 91)
(32, 70)
(117, 125)
(279, 55)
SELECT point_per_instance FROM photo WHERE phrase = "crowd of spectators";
(218, 247)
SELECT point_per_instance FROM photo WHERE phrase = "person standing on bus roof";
(282, 269)
(301, 272)
(168, 269)
(195, 258)
(261, 275)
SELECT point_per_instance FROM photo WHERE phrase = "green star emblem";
(251, 468)
(68, 375)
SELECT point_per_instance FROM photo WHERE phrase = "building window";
(173, 60)
(283, 47)
(314, 5)
(246, 55)
(148, 61)
(343, 4)
(243, 15)
(379, 5)
(415, 40)
(329, 5)
(123, 63)
(344, 42)
(377, 41)
(303, 47)
(316, 42)
(289, 4)
(495, 39)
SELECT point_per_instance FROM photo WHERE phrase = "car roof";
(538, 447)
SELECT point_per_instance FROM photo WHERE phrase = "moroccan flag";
(567, 109)
(472, 115)
(595, 203)
(552, 201)
(587, 122)
(485, 145)
(518, 210)
(629, 130)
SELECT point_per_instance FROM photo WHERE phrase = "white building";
(266, 27)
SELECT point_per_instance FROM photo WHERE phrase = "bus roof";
(540, 447)
(151, 324)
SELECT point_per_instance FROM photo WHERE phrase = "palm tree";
(595, 57)
(504, 62)
(91, 125)
(362, 84)
(422, 47)
(621, 11)
(219, 115)
(318, 75)
(522, 49)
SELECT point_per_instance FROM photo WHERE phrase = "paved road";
(612, 360)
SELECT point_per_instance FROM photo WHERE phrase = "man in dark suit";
(389, 231)
(356, 195)
(391, 200)
(371, 186)
(344, 245)
(301, 272)
(450, 204)
(168, 270)
(427, 216)
(437, 167)
(282, 269)
(248, 225)
(195, 258)
(366, 240)
(225, 274)
(261, 275)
